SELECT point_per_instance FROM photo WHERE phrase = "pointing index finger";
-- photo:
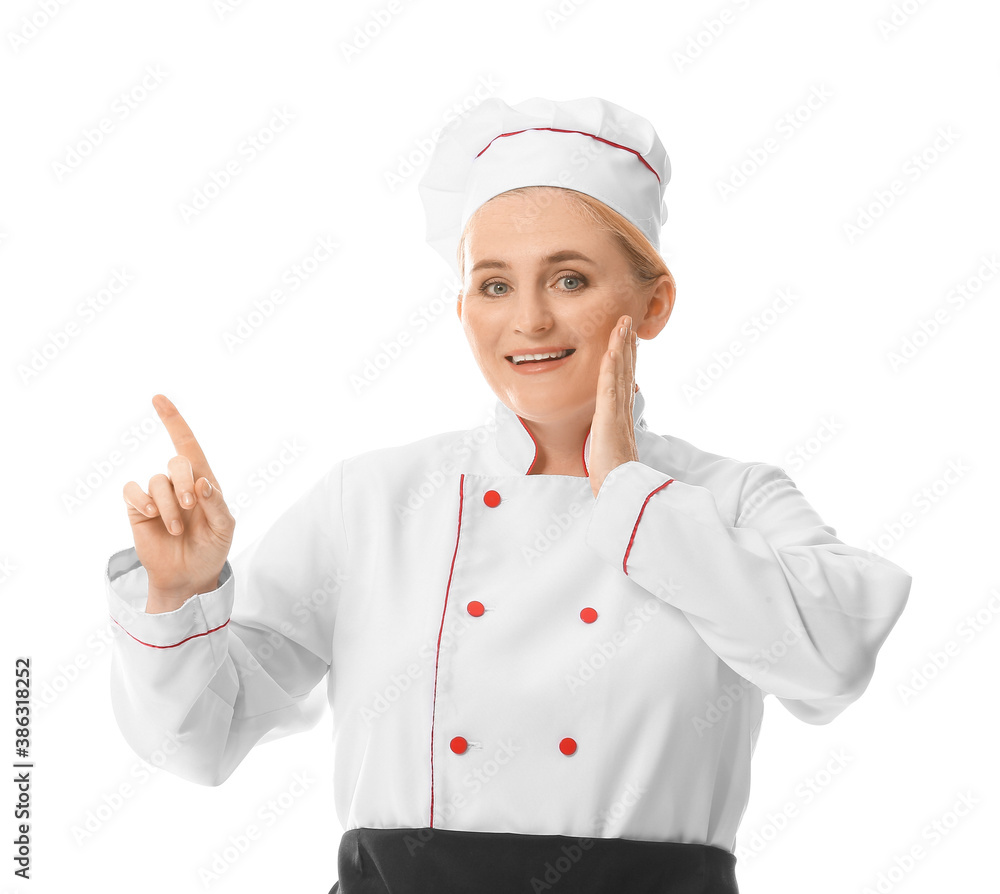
(183, 438)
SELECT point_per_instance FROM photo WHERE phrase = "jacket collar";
(517, 446)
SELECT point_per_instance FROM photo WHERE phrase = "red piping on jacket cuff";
(174, 645)
(635, 527)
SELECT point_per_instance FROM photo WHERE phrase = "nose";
(532, 312)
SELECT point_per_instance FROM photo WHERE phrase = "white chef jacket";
(505, 653)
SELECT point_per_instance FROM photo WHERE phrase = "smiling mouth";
(562, 354)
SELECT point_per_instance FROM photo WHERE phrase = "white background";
(822, 365)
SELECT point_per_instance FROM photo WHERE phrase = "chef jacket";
(506, 653)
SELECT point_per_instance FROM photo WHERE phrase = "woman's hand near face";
(612, 433)
(182, 536)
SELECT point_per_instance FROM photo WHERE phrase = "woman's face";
(539, 276)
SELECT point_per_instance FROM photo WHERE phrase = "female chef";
(547, 640)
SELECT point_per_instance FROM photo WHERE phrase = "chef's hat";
(590, 145)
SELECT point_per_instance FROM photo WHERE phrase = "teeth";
(524, 358)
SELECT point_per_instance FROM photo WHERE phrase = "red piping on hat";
(560, 130)
(172, 645)
(437, 654)
(636, 527)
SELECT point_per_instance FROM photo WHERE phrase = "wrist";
(160, 600)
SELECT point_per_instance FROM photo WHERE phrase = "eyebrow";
(556, 258)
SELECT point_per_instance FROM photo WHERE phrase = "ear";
(658, 308)
(458, 306)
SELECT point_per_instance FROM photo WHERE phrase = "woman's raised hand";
(612, 433)
(182, 536)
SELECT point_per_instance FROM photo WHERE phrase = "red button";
(567, 746)
(589, 615)
(458, 745)
(491, 498)
(475, 609)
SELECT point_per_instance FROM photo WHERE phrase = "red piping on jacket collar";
(583, 449)
(512, 438)
(560, 130)
(533, 441)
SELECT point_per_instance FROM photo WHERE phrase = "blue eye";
(485, 288)
(493, 282)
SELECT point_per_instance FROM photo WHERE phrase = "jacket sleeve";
(777, 597)
(194, 689)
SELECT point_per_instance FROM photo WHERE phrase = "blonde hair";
(644, 261)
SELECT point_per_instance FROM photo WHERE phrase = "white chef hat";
(590, 145)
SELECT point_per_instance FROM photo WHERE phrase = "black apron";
(438, 861)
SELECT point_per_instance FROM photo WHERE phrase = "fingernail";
(206, 490)
(175, 526)
(187, 499)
